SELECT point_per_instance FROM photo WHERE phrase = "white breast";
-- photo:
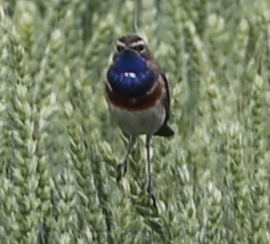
(139, 122)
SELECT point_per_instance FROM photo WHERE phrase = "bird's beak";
(129, 50)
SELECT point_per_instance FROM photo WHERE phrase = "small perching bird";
(138, 96)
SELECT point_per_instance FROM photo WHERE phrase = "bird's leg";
(122, 168)
(149, 187)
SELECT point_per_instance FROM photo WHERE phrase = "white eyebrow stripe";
(141, 42)
(119, 43)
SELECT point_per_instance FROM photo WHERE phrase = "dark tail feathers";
(165, 131)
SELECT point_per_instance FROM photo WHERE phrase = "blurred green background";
(59, 147)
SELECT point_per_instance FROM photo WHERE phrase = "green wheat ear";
(59, 148)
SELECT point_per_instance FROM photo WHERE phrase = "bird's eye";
(139, 48)
(119, 48)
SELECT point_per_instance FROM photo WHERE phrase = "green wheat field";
(59, 147)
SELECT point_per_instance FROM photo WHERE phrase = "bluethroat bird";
(138, 96)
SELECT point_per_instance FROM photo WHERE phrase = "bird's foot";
(151, 196)
(121, 170)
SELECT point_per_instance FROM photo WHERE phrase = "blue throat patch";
(129, 76)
